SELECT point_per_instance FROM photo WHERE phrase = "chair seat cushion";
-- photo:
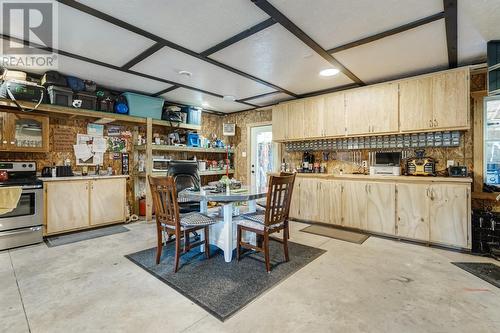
(196, 219)
(256, 221)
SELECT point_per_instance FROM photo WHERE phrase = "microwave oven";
(160, 164)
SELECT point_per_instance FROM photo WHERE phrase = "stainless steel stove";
(23, 225)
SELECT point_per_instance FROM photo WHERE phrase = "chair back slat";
(279, 196)
(164, 193)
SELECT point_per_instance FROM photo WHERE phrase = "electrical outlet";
(243, 154)
(364, 164)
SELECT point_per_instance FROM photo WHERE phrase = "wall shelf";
(184, 148)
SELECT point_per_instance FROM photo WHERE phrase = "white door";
(262, 154)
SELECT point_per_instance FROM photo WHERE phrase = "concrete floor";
(379, 286)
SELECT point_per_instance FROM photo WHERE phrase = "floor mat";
(223, 288)
(84, 235)
(341, 234)
(486, 271)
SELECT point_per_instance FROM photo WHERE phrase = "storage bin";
(60, 95)
(144, 106)
(89, 100)
(193, 115)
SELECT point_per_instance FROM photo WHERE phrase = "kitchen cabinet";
(354, 204)
(66, 205)
(296, 128)
(107, 199)
(450, 99)
(449, 214)
(372, 110)
(280, 122)
(309, 200)
(435, 102)
(79, 204)
(413, 211)
(295, 203)
(334, 119)
(24, 132)
(330, 203)
(381, 208)
(313, 116)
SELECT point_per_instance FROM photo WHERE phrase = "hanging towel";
(9, 197)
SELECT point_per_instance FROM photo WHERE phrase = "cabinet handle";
(435, 123)
(366, 188)
(427, 192)
(13, 142)
(430, 123)
(4, 142)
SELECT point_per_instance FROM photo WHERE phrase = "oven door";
(28, 212)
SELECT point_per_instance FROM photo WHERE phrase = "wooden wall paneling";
(334, 116)
(412, 208)
(67, 205)
(381, 208)
(449, 215)
(415, 104)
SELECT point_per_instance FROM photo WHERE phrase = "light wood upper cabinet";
(24, 132)
(372, 110)
(435, 102)
(413, 211)
(381, 208)
(415, 104)
(334, 120)
(449, 215)
(280, 122)
(296, 129)
(107, 199)
(66, 205)
(313, 116)
(354, 204)
(450, 102)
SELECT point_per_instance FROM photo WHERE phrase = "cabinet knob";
(13, 142)
(430, 123)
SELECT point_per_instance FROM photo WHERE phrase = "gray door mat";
(84, 235)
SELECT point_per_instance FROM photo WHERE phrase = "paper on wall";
(99, 145)
(82, 152)
(98, 158)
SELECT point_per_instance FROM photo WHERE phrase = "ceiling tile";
(477, 24)
(270, 99)
(412, 52)
(334, 23)
(167, 63)
(208, 102)
(195, 24)
(277, 56)
(85, 35)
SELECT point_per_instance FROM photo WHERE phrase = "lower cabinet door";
(449, 214)
(413, 211)
(381, 208)
(67, 205)
(309, 201)
(108, 200)
(330, 202)
(295, 204)
(354, 197)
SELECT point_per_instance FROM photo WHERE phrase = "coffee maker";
(307, 161)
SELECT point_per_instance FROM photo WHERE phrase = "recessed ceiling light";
(185, 73)
(329, 72)
(229, 98)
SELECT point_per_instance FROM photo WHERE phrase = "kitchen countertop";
(422, 179)
(89, 177)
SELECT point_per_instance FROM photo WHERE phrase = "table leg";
(227, 232)
(252, 206)
(203, 210)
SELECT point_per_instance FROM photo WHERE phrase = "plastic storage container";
(144, 106)
(60, 95)
(89, 100)
(193, 115)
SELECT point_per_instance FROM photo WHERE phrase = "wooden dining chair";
(168, 219)
(273, 220)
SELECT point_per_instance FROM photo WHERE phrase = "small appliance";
(385, 170)
(386, 164)
(420, 165)
(457, 171)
